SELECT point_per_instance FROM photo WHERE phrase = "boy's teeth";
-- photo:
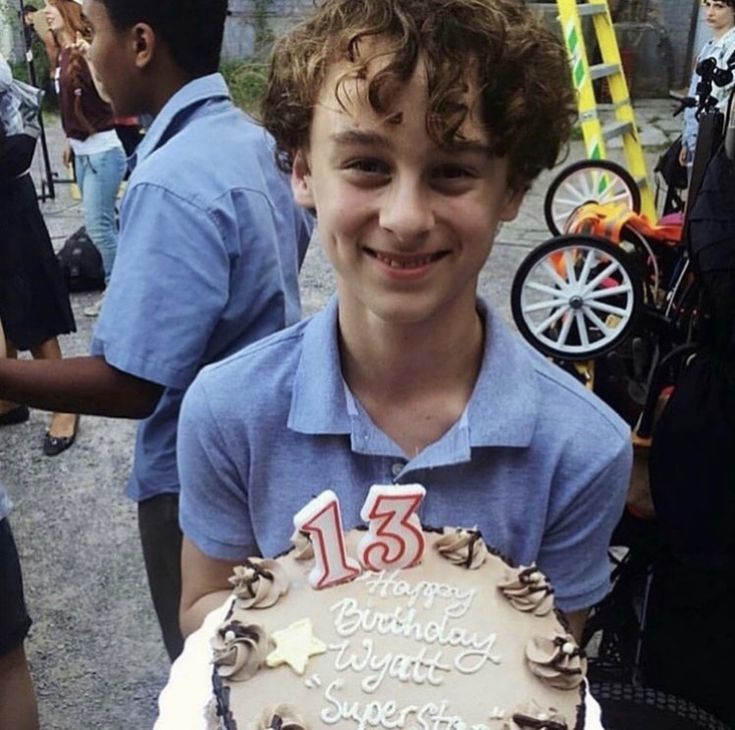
(403, 263)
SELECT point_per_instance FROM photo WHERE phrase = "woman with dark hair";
(720, 17)
(89, 124)
(34, 303)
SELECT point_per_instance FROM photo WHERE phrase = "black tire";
(555, 206)
(626, 707)
(557, 339)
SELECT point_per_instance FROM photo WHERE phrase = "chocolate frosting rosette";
(557, 661)
(531, 716)
(283, 717)
(239, 650)
(528, 589)
(463, 547)
(258, 583)
(303, 549)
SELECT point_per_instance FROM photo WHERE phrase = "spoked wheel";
(588, 181)
(576, 297)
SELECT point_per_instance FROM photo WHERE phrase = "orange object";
(606, 220)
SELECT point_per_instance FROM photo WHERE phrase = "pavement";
(94, 649)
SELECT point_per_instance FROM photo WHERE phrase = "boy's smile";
(407, 223)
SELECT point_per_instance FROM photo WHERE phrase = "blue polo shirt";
(208, 257)
(537, 462)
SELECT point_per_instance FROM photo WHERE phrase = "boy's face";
(112, 54)
(407, 224)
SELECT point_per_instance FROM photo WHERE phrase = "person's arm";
(577, 620)
(583, 511)
(77, 385)
(213, 508)
(204, 585)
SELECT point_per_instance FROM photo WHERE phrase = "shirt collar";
(502, 411)
(318, 403)
(196, 91)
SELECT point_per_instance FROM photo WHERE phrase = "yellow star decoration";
(294, 645)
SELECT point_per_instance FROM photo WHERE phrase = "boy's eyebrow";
(356, 136)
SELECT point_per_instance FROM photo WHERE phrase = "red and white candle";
(394, 538)
(322, 520)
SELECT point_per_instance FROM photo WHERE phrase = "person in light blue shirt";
(210, 246)
(412, 147)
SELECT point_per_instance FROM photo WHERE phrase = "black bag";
(674, 175)
(81, 263)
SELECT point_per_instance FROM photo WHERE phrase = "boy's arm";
(78, 385)
(213, 508)
(577, 620)
(582, 517)
(204, 585)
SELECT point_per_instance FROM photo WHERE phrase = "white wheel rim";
(580, 307)
(588, 185)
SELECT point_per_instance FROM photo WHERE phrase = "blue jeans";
(99, 177)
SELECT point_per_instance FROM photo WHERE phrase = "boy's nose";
(406, 211)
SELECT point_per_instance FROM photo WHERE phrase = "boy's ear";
(144, 43)
(512, 203)
(301, 181)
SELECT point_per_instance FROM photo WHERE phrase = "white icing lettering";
(349, 618)
(386, 584)
(389, 715)
(418, 669)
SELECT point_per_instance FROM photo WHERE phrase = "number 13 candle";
(394, 538)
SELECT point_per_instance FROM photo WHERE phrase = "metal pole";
(48, 183)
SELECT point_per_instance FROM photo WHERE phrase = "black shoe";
(54, 445)
(19, 414)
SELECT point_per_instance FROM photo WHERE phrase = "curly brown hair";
(519, 68)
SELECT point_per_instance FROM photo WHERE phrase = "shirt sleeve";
(213, 503)
(574, 553)
(169, 287)
(6, 76)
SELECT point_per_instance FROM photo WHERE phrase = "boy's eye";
(368, 166)
(453, 172)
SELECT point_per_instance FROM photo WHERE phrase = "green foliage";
(246, 80)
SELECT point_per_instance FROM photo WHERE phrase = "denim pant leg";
(99, 178)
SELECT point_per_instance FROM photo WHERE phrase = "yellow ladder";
(595, 134)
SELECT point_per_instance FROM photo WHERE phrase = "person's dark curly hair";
(519, 68)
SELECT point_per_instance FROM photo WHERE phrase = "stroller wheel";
(576, 297)
(588, 181)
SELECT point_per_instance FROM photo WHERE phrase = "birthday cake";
(455, 639)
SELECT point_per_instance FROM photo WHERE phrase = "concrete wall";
(252, 24)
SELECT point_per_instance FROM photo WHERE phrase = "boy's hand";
(683, 156)
(67, 156)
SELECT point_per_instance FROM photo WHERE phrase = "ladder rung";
(603, 70)
(616, 129)
(591, 8)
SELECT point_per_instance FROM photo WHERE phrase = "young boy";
(209, 250)
(413, 129)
